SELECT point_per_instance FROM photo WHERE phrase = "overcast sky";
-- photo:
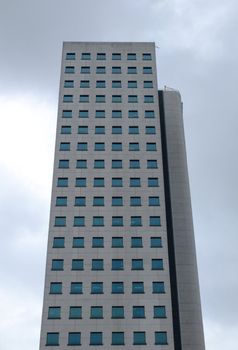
(198, 54)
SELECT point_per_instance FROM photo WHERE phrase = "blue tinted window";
(116, 98)
(137, 264)
(83, 98)
(150, 130)
(78, 242)
(58, 242)
(117, 221)
(116, 164)
(77, 264)
(67, 113)
(54, 312)
(80, 201)
(152, 164)
(76, 288)
(153, 182)
(117, 182)
(100, 83)
(70, 56)
(100, 114)
(134, 130)
(82, 146)
(148, 84)
(116, 56)
(79, 221)
(98, 182)
(135, 182)
(139, 338)
(131, 56)
(100, 130)
(132, 84)
(117, 312)
(147, 70)
(74, 338)
(85, 56)
(62, 182)
(99, 146)
(155, 221)
(101, 70)
(134, 164)
(117, 287)
(69, 70)
(136, 221)
(82, 130)
(68, 98)
(63, 163)
(60, 221)
(159, 311)
(117, 264)
(158, 287)
(132, 99)
(96, 312)
(64, 146)
(101, 56)
(80, 182)
(146, 57)
(151, 146)
(96, 338)
(116, 70)
(117, 242)
(65, 129)
(99, 164)
(116, 130)
(155, 242)
(98, 242)
(131, 70)
(116, 84)
(134, 146)
(61, 201)
(116, 146)
(75, 312)
(83, 114)
(137, 287)
(97, 288)
(148, 98)
(157, 264)
(98, 221)
(56, 288)
(81, 164)
(52, 339)
(161, 338)
(138, 312)
(149, 114)
(85, 70)
(136, 242)
(100, 98)
(135, 201)
(57, 265)
(117, 201)
(133, 114)
(68, 83)
(154, 201)
(118, 338)
(116, 114)
(98, 201)
(84, 84)
(97, 264)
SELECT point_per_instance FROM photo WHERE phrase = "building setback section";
(121, 264)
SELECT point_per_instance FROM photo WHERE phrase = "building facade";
(121, 263)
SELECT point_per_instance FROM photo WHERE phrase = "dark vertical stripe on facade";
(170, 232)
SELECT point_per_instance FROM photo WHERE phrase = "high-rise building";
(121, 265)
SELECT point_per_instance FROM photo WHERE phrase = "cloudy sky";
(198, 54)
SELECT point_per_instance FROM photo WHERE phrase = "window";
(148, 84)
(116, 114)
(57, 265)
(58, 242)
(148, 98)
(153, 182)
(155, 221)
(134, 182)
(100, 98)
(161, 338)
(97, 242)
(74, 338)
(78, 242)
(150, 130)
(133, 114)
(56, 288)
(84, 84)
(100, 114)
(136, 242)
(97, 288)
(67, 113)
(63, 164)
(158, 287)
(159, 311)
(62, 182)
(116, 56)
(146, 57)
(79, 221)
(100, 130)
(80, 201)
(64, 146)
(134, 146)
(81, 182)
(147, 70)
(83, 98)
(116, 130)
(155, 242)
(132, 84)
(151, 146)
(101, 56)
(116, 98)
(149, 114)
(137, 264)
(116, 164)
(137, 287)
(97, 265)
(136, 221)
(101, 70)
(82, 146)
(98, 201)
(152, 164)
(133, 130)
(134, 164)
(135, 201)
(99, 164)
(117, 264)
(68, 84)
(116, 146)
(82, 130)
(116, 70)
(139, 338)
(81, 164)
(98, 182)
(77, 264)
(76, 288)
(117, 288)
(157, 264)
(85, 56)
(117, 182)
(117, 338)
(96, 338)
(52, 339)
(117, 201)
(132, 70)
(116, 84)
(98, 221)
(85, 70)
(54, 312)
(132, 98)
(138, 312)
(60, 221)
(154, 201)
(65, 129)
(96, 312)
(70, 56)
(117, 311)
(99, 146)
(69, 70)
(100, 84)
(117, 221)
(83, 114)
(61, 201)
(75, 312)
(117, 242)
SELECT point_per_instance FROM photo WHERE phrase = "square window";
(117, 264)
(161, 338)
(61, 201)
(78, 242)
(155, 242)
(132, 84)
(148, 84)
(154, 201)
(118, 338)
(116, 84)
(96, 312)
(98, 201)
(117, 221)
(116, 164)
(97, 288)
(135, 182)
(152, 164)
(52, 339)
(83, 98)
(65, 130)
(135, 201)
(117, 288)
(117, 182)
(83, 114)
(100, 130)
(62, 182)
(81, 164)
(75, 312)
(84, 84)
(116, 98)
(82, 146)
(56, 288)
(68, 84)
(116, 113)
(133, 130)
(117, 311)
(100, 113)
(99, 146)
(98, 182)
(134, 164)
(117, 242)
(67, 113)
(98, 221)
(101, 56)
(97, 265)
(60, 221)
(69, 70)
(158, 287)
(116, 146)
(81, 182)
(116, 70)
(57, 265)
(155, 221)
(70, 56)
(97, 242)
(146, 57)
(131, 70)
(117, 201)
(101, 70)
(139, 338)
(95, 338)
(58, 242)
(100, 84)
(116, 56)
(138, 312)
(85, 56)
(83, 130)
(153, 182)
(134, 146)
(116, 130)
(149, 114)
(79, 221)
(100, 98)
(131, 56)
(76, 288)
(64, 146)
(147, 70)
(159, 311)
(136, 242)
(74, 338)
(133, 114)
(148, 98)
(137, 287)
(137, 264)
(151, 146)
(157, 264)
(99, 164)
(132, 99)
(63, 164)
(77, 264)
(54, 312)
(136, 221)
(85, 70)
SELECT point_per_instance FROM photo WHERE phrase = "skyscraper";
(121, 264)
